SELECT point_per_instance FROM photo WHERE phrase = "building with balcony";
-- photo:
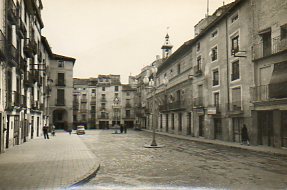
(61, 100)
(269, 93)
(102, 102)
(231, 73)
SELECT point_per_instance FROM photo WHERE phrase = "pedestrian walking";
(53, 130)
(121, 128)
(244, 135)
(45, 131)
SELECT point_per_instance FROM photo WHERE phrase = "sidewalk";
(53, 163)
(269, 150)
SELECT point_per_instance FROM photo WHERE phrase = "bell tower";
(166, 48)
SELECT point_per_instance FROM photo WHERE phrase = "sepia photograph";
(143, 94)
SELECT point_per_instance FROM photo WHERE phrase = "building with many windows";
(230, 74)
(25, 60)
(102, 102)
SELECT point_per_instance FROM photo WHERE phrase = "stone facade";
(221, 79)
(24, 72)
(102, 102)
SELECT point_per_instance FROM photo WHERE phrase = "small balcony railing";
(2, 46)
(16, 98)
(83, 110)
(12, 11)
(277, 45)
(84, 100)
(197, 70)
(131, 116)
(103, 117)
(103, 100)
(177, 105)
(198, 102)
(13, 54)
(93, 102)
(30, 48)
(235, 106)
(268, 92)
(60, 102)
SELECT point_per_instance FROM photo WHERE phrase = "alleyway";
(181, 164)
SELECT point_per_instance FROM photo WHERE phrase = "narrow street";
(181, 164)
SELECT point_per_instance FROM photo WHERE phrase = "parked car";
(80, 130)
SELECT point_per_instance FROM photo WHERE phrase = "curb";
(250, 148)
(86, 178)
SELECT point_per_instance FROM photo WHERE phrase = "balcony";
(198, 102)
(177, 105)
(2, 46)
(30, 48)
(102, 108)
(103, 117)
(261, 51)
(22, 31)
(197, 70)
(61, 83)
(267, 93)
(83, 110)
(93, 102)
(234, 76)
(60, 102)
(213, 109)
(28, 79)
(23, 101)
(12, 12)
(103, 100)
(128, 105)
(93, 111)
(84, 100)
(16, 99)
(13, 55)
(131, 116)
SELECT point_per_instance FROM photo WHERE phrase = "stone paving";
(181, 164)
(53, 163)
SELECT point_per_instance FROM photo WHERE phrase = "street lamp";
(116, 112)
(149, 81)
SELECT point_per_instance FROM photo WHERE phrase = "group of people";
(46, 131)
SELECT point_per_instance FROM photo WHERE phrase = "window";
(214, 34)
(61, 97)
(116, 88)
(236, 98)
(93, 90)
(179, 121)
(235, 71)
(93, 108)
(128, 113)
(178, 68)
(284, 32)
(61, 79)
(61, 64)
(235, 45)
(214, 54)
(215, 79)
(197, 68)
(216, 99)
(103, 88)
(103, 105)
(266, 40)
(84, 117)
(234, 18)
(198, 46)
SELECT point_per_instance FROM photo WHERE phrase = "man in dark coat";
(45, 131)
(244, 135)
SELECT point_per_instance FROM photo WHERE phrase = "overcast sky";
(119, 36)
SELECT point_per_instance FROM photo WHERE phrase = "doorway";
(265, 128)
(217, 129)
(201, 125)
(237, 124)
(284, 129)
(188, 131)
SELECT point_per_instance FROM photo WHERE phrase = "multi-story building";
(24, 72)
(102, 102)
(229, 74)
(269, 93)
(61, 100)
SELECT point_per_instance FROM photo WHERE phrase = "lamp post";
(149, 81)
(116, 112)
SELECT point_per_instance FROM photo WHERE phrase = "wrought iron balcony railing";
(198, 102)
(277, 45)
(269, 92)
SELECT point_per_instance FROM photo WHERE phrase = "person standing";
(45, 131)
(244, 135)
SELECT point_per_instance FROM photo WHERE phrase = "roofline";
(46, 45)
(64, 58)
